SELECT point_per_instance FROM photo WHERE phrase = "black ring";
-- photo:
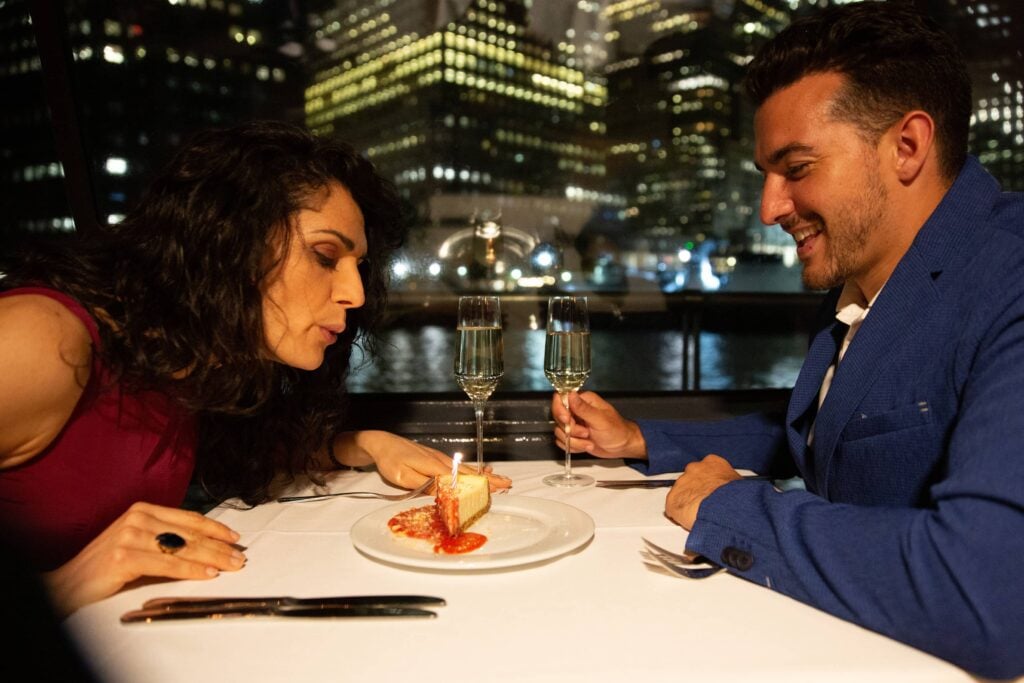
(169, 542)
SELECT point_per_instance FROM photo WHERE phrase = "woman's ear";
(915, 144)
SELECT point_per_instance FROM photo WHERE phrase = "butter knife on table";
(170, 609)
(220, 612)
(288, 601)
(635, 483)
(653, 483)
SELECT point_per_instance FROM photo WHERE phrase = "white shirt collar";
(852, 307)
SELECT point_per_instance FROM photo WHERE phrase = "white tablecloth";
(598, 614)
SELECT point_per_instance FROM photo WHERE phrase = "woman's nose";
(348, 287)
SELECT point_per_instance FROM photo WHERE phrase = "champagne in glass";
(567, 366)
(479, 352)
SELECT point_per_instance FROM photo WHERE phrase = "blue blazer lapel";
(805, 391)
(901, 311)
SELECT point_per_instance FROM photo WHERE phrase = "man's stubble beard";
(847, 234)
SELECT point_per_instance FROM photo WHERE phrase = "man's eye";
(796, 171)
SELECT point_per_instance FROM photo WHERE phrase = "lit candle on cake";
(456, 459)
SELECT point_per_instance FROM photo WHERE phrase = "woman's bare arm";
(45, 359)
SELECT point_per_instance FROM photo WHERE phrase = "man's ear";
(914, 135)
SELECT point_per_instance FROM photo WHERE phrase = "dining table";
(576, 601)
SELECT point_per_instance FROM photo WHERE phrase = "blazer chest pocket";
(886, 459)
(864, 426)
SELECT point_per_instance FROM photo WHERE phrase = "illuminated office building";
(679, 128)
(576, 28)
(630, 105)
(993, 42)
(451, 97)
(32, 197)
(146, 74)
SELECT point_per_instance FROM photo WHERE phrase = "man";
(907, 419)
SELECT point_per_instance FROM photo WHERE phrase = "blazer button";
(736, 558)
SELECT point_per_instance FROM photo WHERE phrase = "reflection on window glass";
(599, 146)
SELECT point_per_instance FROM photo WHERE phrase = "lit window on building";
(116, 166)
(113, 54)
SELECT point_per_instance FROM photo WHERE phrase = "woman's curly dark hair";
(176, 291)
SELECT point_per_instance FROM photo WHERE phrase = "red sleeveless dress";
(114, 450)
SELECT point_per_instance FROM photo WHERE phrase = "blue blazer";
(912, 521)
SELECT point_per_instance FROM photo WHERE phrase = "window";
(604, 144)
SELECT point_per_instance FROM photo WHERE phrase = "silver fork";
(360, 494)
(698, 567)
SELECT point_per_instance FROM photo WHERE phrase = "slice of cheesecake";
(458, 508)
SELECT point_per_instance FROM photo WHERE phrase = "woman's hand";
(401, 461)
(128, 550)
(596, 427)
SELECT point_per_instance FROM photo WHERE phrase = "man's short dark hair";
(895, 60)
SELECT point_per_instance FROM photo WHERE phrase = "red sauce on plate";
(425, 523)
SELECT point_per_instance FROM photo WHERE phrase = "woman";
(208, 335)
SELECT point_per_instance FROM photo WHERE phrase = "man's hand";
(596, 427)
(696, 483)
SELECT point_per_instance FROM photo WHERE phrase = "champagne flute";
(567, 366)
(479, 352)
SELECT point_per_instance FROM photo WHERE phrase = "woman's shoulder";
(45, 360)
(25, 315)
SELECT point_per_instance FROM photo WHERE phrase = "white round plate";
(519, 529)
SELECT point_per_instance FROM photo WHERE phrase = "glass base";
(566, 480)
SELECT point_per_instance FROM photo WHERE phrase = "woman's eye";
(325, 261)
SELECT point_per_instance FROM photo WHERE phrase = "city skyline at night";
(618, 123)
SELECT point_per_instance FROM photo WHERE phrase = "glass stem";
(478, 409)
(568, 439)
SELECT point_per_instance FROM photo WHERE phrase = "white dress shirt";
(851, 310)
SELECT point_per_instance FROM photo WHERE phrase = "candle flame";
(456, 459)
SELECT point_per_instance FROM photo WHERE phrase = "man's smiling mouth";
(801, 235)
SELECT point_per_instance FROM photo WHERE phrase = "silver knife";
(653, 483)
(288, 601)
(221, 612)
(635, 483)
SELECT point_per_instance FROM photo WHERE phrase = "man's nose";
(776, 202)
